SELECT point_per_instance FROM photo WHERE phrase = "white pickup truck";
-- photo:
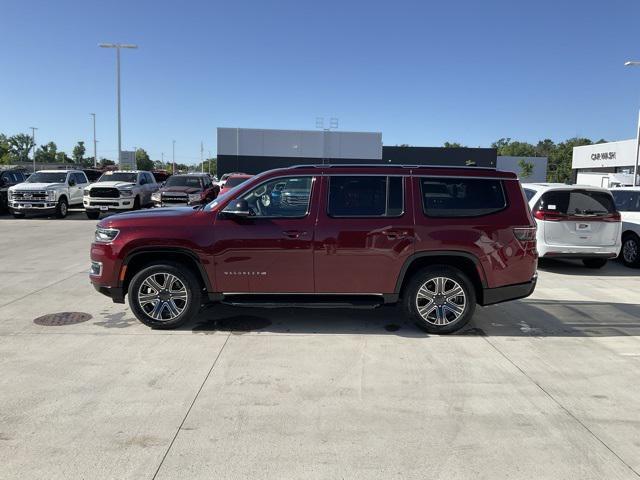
(119, 191)
(628, 204)
(48, 191)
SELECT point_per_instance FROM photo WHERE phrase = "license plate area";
(583, 227)
(104, 208)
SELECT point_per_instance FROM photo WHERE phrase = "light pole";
(633, 63)
(174, 158)
(118, 46)
(201, 157)
(33, 140)
(95, 142)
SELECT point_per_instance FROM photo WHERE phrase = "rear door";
(364, 233)
(579, 217)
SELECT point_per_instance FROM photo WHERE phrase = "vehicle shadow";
(523, 318)
(613, 268)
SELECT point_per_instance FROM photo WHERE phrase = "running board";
(303, 301)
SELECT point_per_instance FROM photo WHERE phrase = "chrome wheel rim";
(441, 301)
(163, 296)
(63, 208)
(630, 250)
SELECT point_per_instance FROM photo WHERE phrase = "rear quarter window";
(461, 197)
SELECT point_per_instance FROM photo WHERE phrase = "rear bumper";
(570, 251)
(492, 296)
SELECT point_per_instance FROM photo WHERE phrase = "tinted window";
(119, 177)
(627, 200)
(80, 178)
(48, 177)
(365, 196)
(235, 181)
(183, 181)
(577, 202)
(283, 197)
(529, 193)
(461, 197)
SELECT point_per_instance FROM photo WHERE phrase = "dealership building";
(252, 150)
(605, 160)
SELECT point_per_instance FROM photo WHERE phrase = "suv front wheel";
(440, 299)
(164, 295)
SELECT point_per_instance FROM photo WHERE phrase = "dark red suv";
(437, 239)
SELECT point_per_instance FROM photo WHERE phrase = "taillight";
(549, 215)
(525, 234)
(612, 217)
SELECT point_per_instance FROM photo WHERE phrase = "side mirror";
(237, 208)
(72, 182)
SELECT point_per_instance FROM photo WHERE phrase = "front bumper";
(92, 204)
(114, 293)
(491, 296)
(39, 206)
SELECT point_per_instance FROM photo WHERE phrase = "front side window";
(461, 197)
(282, 198)
(529, 193)
(365, 196)
(627, 200)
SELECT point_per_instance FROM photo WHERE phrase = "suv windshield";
(578, 202)
(119, 177)
(183, 181)
(48, 177)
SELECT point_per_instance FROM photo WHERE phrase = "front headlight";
(86, 192)
(156, 197)
(10, 194)
(51, 194)
(126, 192)
(106, 235)
(194, 197)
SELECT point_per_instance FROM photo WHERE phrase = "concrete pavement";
(541, 388)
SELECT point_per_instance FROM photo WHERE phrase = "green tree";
(5, 157)
(510, 148)
(19, 147)
(143, 162)
(105, 162)
(47, 153)
(559, 168)
(453, 145)
(208, 163)
(61, 157)
(78, 153)
(526, 168)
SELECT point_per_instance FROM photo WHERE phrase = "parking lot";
(542, 387)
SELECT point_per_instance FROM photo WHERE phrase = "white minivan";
(628, 204)
(575, 221)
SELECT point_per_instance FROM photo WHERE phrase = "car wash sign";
(603, 155)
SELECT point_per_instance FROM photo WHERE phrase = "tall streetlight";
(95, 142)
(33, 140)
(174, 158)
(633, 63)
(118, 46)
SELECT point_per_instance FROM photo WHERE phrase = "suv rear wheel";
(630, 253)
(164, 295)
(62, 208)
(440, 299)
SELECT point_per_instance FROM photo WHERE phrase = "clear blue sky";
(421, 72)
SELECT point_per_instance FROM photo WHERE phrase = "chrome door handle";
(293, 233)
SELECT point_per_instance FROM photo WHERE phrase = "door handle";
(293, 233)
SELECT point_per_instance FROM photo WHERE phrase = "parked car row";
(55, 191)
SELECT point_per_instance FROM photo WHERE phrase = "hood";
(112, 184)
(178, 189)
(151, 217)
(36, 186)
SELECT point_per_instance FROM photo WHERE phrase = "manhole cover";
(62, 318)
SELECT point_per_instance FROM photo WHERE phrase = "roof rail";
(387, 165)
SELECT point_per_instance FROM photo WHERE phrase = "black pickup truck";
(8, 178)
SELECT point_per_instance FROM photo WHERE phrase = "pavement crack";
(562, 407)
(43, 288)
(215, 361)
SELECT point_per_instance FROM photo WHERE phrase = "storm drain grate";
(62, 318)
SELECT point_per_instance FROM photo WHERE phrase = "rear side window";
(529, 193)
(461, 197)
(577, 202)
(627, 200)
(365, 196)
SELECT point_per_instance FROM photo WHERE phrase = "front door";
(365, 233)
(271, 251)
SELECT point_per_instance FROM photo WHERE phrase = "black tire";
(92, 215)
(426, 277)
(17, 214)
(136, 203)
(630, 252)
(185, 278)
(594, 262)
(62, 208)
